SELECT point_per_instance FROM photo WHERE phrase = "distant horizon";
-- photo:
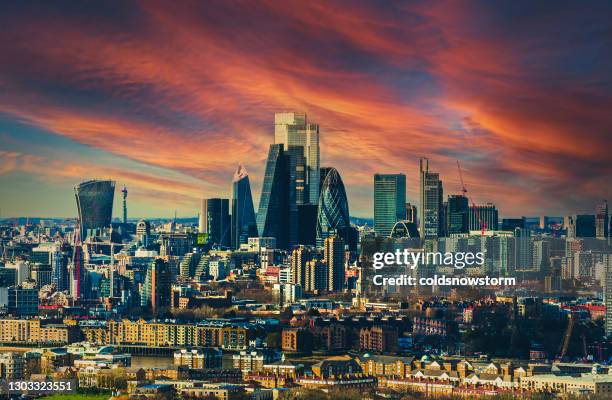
(133, 219)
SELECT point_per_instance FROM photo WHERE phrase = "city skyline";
(108, 94)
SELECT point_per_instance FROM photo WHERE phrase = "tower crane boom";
(482, 224)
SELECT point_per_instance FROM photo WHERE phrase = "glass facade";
(94, 204)
(217, 221)
(294, 131)
(297, 192)
(243, 213)
(457, 214)
(431, 221)
(487, 214)
(333, 213)
(389, 202)
(273, 213)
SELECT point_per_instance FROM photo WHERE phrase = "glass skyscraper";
(243, 213)
(59, 265)
(431, 221)
(602, 223)
(333, 213)
(273, 213)
(156, 289)
(489, 216)
(94, 204)
(297, 193)
(457, 214)
(216, 221)
(389, 201)
(294, 131)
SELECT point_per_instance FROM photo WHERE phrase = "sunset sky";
(168, 97)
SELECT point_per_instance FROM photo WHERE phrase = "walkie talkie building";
(94, 204)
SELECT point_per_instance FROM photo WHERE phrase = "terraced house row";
(15, 331)
(228, 336)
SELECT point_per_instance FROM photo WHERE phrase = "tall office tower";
(95, 205)
(333, 214)
(143, 232)
(431, 194)
(541, 256)
(584, 225)
(59, 267)
(316, 276)
(77, 271)
(608, 299)
(307, 224)
(41, 273)
(124, 192)
(524, 248)
(216, 221)
(299, 257)
(297, 193)
(411, 213)
(156, 291)
(23, 301)
(244, 225)
(569, 224)
(273, 213)
(389, 201)
(293, 130)
(487, 215)
(602, 224)
(457, 214)
(202, 217)
(300, 141)
(333, 256)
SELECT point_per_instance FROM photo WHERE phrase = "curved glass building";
(333, 213)
(94, 204)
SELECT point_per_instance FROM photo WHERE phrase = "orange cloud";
(193, 89)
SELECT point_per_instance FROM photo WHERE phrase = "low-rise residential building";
(221, 391)
(591, 383)
(378, 338)
(297, 340)
(379, 365)
(335, 366)
(226, 335)
(33, 331)
(254, 360)
(199, 358)
(12, 366)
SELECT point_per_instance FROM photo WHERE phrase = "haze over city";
(169, 100)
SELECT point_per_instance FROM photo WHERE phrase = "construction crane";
(482, 224)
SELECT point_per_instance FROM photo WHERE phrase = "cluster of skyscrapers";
(303, 204)
(302, 231)
(434, 217)
(300, 203)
